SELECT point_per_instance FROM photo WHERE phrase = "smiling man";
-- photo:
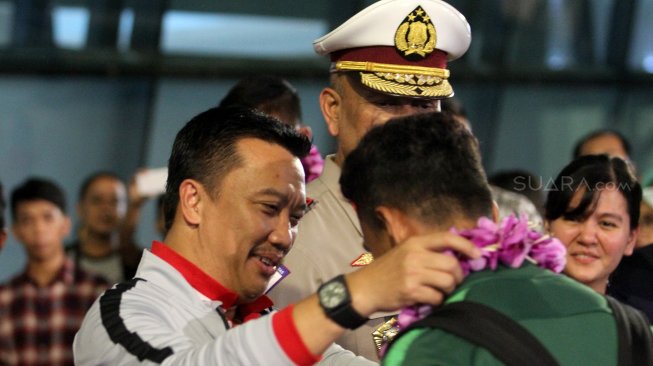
(235, 194)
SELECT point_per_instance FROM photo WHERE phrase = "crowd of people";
(397, 248)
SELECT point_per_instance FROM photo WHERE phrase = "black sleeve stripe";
(223, 317)
(115, 326)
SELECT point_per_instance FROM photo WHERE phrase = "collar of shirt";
(65, 275)
(331, 178)
(208, 286)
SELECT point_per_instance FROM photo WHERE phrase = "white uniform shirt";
(173, 314)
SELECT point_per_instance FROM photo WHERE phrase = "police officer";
(388, 60)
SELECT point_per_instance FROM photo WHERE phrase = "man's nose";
(283, 234)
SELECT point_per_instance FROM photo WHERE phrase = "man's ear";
(396, 223)
(3, 238)
(190, 201)
(67, 226)
(306, 131)
(495, 211)
(330, 104)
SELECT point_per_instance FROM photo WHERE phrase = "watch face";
(333, 294)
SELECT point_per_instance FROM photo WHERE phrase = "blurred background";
(105, 85)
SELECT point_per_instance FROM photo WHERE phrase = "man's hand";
(418, 270)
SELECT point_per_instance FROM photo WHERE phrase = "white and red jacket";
(172, 313)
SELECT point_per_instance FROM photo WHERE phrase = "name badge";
(279, 275)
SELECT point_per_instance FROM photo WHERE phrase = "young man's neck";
(44, 271)
(96, 245)
(339, 158)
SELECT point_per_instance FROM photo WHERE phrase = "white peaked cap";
(400, 47)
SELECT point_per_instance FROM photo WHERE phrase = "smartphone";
(152, 182)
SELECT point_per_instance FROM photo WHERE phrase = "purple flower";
(514, 241)
(480, 263)
(510, 243)
(549, 253)
(411, 314)
(313, 164)
(484, 234)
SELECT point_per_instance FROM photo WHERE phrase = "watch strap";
(344, 314)
(347, 317)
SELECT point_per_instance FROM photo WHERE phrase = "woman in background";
(593, 208)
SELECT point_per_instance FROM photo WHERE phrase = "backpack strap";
(634, 332)
(506, 339)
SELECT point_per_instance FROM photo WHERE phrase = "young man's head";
(271, 95)
(234, 195)
(457, 109)
(102, 204)
(415, 174)
(389, 60)
(3, 232)
(40, 223)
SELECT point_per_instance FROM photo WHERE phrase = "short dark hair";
(2, 208)
(454, 106)
(268, 94)
(427, 165)
(598, 133)
(34, 189)
(205, 148)
(89, 180)
(591, 173)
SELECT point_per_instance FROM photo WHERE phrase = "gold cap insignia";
(416, 36)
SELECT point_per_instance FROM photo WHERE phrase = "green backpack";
(514, 345)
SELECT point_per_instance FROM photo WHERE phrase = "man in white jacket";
(235, 194)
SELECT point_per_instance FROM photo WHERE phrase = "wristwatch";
(336, 302)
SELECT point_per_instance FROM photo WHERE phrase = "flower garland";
(509, 243)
